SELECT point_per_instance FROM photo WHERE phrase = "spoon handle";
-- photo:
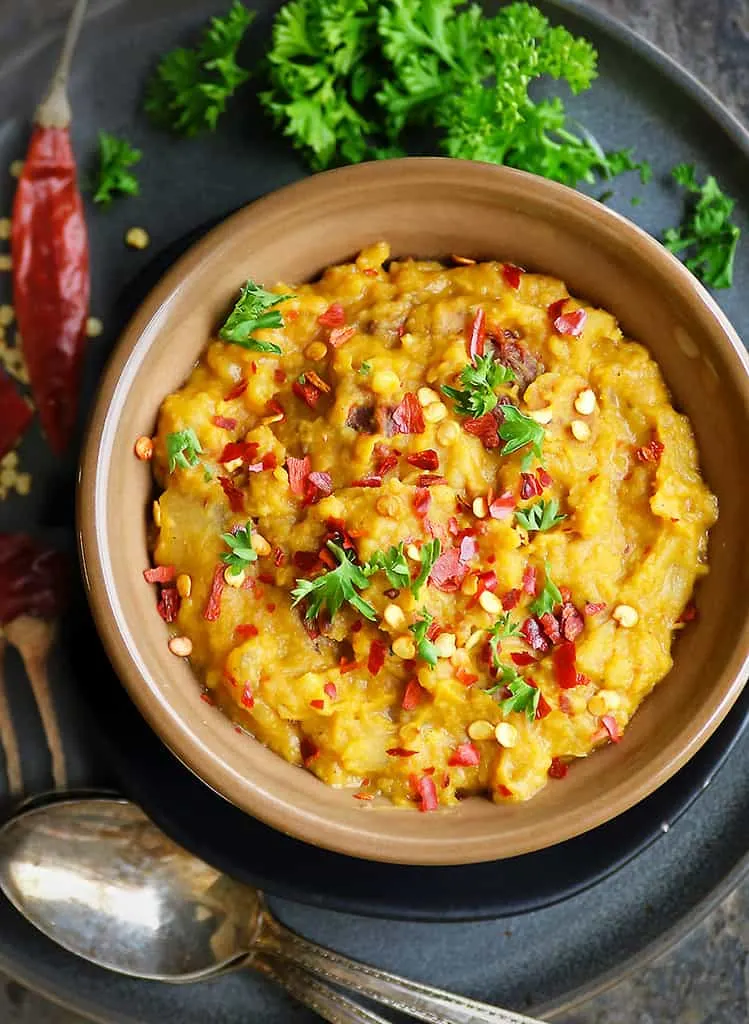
(423, 1002)
(326, 1002)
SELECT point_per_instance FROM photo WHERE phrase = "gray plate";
(640, 100)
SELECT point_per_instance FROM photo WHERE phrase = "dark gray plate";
(640, 100)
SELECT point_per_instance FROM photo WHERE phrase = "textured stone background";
(705, 979)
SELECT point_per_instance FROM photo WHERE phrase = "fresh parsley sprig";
(393, 563)
(707, 237)
(189, 89)
(477, 396)
(540, 516)
(424, 646)
(518, 430)
(523, 697)
(183, 449)
(112, 175)
(503, 629)
(429, 554)
(241, 552)
(253, 311)
(333, 589)
(549, 597)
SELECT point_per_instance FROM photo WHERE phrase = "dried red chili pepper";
(465, 756)
(400, 752)
(247, 699)
(340, 335)
(160, 574)
(650, 452)
(557, 769)
(426, 792)
(334, 316)
(408, 417)
(308, 392)
(565, 671)
(430, 480)
(233, 494)
(422, 498)
(427, 459)
(611, 726)
(376, 659)
(571, 323)
(17, 414)
(331, 691)
(367, 481)
(448, 572)
(239, 389)
(510, 600)
(477, 335)
(213, 604)
(387, 459)
(169, 603)
(503, 506)
(244, 450)
(298, 470)
(512, 274)
(523, 659)
(485, 429)
(530, 487)
(51, 263)
(224, 422)
(412, 695)
(32, 578)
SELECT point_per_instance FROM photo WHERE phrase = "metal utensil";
(101, 880)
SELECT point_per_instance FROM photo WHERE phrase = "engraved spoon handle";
(432, 1005)
(323, 1000)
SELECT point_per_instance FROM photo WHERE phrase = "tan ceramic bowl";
(428, 208)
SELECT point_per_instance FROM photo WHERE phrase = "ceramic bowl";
(427, 208)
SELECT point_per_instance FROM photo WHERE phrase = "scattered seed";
(144, 448)
(181, 646)
(4, 228)
(481, 730)
(316, 350)
(506, 734)
(184, 585)
(404, 648)
(580, 430)
(490, 602)
(6, 315)
(234, 577)
(156, 510)
(260, 545)
(385, 382)
(586, 402)
(445, 645)
(137, 238)
(94, 327)
(625, 615)
(394, 616)
(16, 168)
(542, 416)
(480, 508)
(435, 412)
(427, 396)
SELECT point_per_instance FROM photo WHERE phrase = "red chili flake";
(224, 422)
(689, 614)
(322, 482)
(370, 272)
(477, 335)
(305, 561)
(565, 671)
(571, 323)
(523, 659)
(503, 506)
(298, 470)
(565, 704)
(326, 558)
(534, 637)
(530, 487)
(244, 450)
(340, 335)
(239, 389)
(544, 478)
(275, 408)
(412, 695)
(279, 557)
(427, 459)
(529, 580)
(307, 392)
(594, 609)
(334, 316)
(408, 417)
(271, 607)
(566, 594)
(504, 790)
(233, 494)
(356, 627)
(422, 497)
(308, 750)
(468, 548)
(279, 376)
(245, 631)
(487, 581)
(550, 626)
(448, 572)
(611, 726)
(169, 602)
(253, 366)
(429, 480)
(213, 604)
(161, 574)
(291, 314)
(465, 756)
(367, 481)
(318, 705)
(247, 699)
(558, 769)
(348, 666)
(650, 452)
(331, 691)
(400, 752)
(510, 600)
(313, 378)
(543, 708)
(512, 274)
(363, 796)
(465, 677)
(376, 659)
(427, 793)
(387, 459)
(485, 428)
(434, 631)
(572, 621)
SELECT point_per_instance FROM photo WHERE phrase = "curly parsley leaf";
(189, 89)
(477, 396)
(393, 563)
(707, 238)
(429, 554)
(183, 449)
(503, 629)
(541, 515)
(549, 597)
(112, 174)
(254, 311)
(333, 589)
(518, 430)
(424, 646)
(523, 698)
(241, 552)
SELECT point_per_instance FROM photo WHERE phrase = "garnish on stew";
(183, 449)
(254, 310)
(477, 396)
(241, 552)
(333, 589)
(540, 516)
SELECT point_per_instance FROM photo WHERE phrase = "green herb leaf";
(334, 588)
(502, 629)
(477, 397)
(393, 563)
(549, 597)
(424, 646)
(241, 552)
(518, 430)
(707, 237)
(189, 89)
(365, 368)
(429, 554)
(112, 174)
(541, 515)
(183, 449)
(254, 311)
(524, 697)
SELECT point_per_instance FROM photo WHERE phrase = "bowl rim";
(185, 742)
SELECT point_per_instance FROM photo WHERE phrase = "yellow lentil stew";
(426, 530)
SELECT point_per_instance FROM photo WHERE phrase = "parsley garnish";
(393, 563)
(253, 311)
(424, 646)
(429, 553)
(524, 697)
(189, 88)
(517, 430)
(706, 235)
(541, 515)
(365, 368)
(549, 597)
(183, 449)
(112, 174)
(477, 397)
(334, 588)
(241, 552)
(502, 629)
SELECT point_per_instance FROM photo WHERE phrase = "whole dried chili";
(50, 259)
(17, 415)
(31, 578)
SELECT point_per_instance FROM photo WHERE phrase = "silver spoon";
(101, 880)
